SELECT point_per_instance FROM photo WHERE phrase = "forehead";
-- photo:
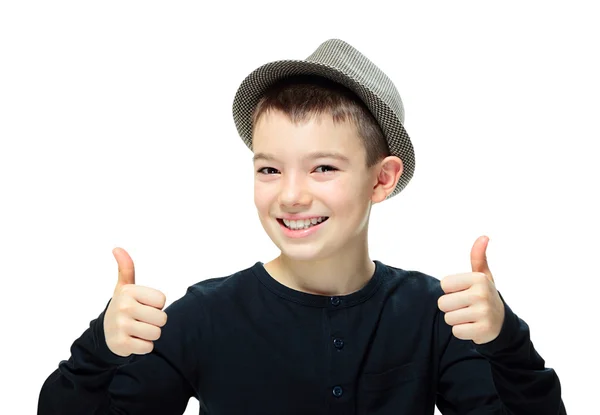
(276, 132)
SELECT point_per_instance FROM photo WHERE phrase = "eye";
(325, 168)
(267, 170)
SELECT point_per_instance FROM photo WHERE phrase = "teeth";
(302, 223)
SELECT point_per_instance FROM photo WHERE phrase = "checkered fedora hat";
(340, 62)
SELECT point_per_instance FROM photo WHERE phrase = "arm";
(96, 381)
(504, 376)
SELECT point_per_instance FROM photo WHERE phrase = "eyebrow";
(310, 156)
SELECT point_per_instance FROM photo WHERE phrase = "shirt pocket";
(392, 378)
(403, 389)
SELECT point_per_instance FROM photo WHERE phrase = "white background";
(116, 130)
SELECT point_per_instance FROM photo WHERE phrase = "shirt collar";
(316, 300)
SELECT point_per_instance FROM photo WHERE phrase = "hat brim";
(256, 83)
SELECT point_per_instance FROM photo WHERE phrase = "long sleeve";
(506, 376)
(96, 381)
(524, 384)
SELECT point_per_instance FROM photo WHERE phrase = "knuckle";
(139, 347)
(126, 307)
(473, 297)
(163, 299)
(477, 296)
(456, 331)
(123, 324)
(124, 342)
(157, 333)
(126, 289)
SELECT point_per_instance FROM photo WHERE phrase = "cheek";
(262, 196)
(345, 193)
(350, 200)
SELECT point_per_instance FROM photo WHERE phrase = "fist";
(471, 303)
(134, 316)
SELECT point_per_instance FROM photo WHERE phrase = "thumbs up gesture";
(471, 303)
(134, 316)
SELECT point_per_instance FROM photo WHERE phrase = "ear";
(388, 172)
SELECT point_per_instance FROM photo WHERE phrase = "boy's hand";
(472, 304)
(134, 316)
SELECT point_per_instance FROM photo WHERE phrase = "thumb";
(478, 257)
(126, 268)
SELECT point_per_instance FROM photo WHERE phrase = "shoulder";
(225, 286)
(201, 300)
(411, 282)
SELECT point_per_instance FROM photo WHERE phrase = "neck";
(339, 275)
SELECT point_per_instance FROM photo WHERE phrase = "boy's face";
(298, 175)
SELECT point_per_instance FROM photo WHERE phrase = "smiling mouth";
(298, 225)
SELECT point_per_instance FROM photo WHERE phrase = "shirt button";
(335, 301)
(337, 391)
(338, 343)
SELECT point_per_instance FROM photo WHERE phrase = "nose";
(293, 191)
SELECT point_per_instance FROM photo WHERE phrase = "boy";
(321, 329)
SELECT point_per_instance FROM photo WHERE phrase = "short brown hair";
(303, 96)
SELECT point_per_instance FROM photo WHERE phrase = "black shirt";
(247, 344)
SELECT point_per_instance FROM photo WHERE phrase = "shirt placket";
(339, 340)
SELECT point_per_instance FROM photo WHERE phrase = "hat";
(340, 62)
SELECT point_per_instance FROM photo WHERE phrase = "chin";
(302, 253)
